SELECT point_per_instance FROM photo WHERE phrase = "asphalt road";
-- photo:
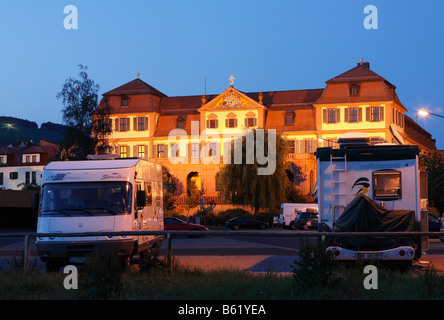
(254, 253)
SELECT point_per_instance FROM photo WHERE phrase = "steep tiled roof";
(304, 120)
(137, 86)
(358, 73)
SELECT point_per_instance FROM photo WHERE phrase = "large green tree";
(433, 163)
(87, 121)
(241, 183)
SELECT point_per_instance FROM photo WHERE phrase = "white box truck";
(364, 188)
(98, 196)
(290, 212)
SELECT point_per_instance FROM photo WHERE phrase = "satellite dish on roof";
(396, 135)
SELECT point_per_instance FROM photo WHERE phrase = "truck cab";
(115, 195)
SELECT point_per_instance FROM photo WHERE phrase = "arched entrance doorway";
(194, 180)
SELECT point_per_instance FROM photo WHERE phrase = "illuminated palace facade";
(358, 100)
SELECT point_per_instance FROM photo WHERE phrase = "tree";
(192, 198)
(433, 163)
(241, 183)
(83, 117)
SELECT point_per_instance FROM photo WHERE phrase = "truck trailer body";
(386, 174)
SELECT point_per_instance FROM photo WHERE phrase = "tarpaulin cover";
(365, 215)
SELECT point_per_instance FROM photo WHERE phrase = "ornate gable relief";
(231, 99)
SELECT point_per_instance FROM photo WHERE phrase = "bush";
(102, 276)
(150, 262)
(314, 269)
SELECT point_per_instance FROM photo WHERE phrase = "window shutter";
(128, 125)
(165, 150)
(235, 123)
(135, 124)
(226, 123)
(246, 122)
(127, 151)
(217, 123)
(359, 114)
(146, 151)
(145, 125)
(367, 114)
(324, 116)
(255, 122)
(381, 113)
(116, 126)
(154, 148)
(297, 146)
(338, 115)
(346, 115)
(208, 123)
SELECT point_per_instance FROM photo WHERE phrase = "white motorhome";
(387, 174)
(290, 211)
(98, 196)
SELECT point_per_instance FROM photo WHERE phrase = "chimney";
(364, 64)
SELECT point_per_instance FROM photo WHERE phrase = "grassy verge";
(314, 277)
(223, 284)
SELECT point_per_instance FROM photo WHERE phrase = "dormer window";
(354, 89)
(289, 118)
(180, 123)
(3, 159)
(124, 101)
(31, 158)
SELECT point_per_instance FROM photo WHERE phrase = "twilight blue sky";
(175, 44)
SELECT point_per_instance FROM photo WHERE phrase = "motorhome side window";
(149, 193)
(387, 185)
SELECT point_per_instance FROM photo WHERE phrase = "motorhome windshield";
(94, 198)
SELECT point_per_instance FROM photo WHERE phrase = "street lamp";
(424, 113)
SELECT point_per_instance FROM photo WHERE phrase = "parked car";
(300, 223)
(173, 223)
(245, 223)
(311, 224)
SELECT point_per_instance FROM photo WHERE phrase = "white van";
(289, 212)
(98, 196)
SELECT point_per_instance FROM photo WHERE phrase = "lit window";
(141, 151)
(123, 152)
